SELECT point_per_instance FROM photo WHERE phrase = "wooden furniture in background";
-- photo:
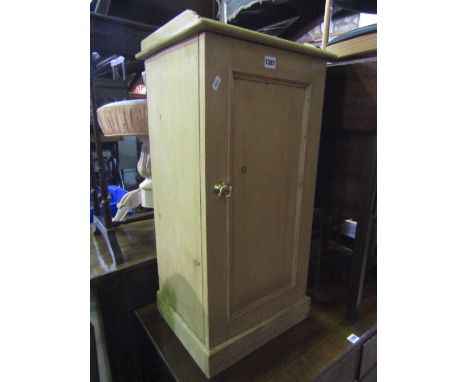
(346, 180)
(237, 112)
(357, 46)
(116, 291)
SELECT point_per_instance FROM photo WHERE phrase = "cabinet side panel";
(173, 112)
(203, 190)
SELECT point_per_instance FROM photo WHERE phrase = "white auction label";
(216, 82)
(270, 62)
(353, 338)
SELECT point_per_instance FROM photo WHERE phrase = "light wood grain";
(233, 271)
(173, 110)
(280, 124)
(263, 208)
(189, 24)
(214, 360)
(356, 46)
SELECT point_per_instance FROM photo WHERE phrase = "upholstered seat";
(124, 118)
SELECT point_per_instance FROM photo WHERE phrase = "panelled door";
(260, 146)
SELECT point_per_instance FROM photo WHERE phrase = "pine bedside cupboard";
(234, 126)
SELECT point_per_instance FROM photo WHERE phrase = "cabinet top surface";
(189, 23)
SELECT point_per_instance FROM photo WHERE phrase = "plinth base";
(213, 361)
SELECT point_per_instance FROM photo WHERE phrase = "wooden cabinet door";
(261, 137)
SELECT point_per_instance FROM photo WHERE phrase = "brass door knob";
(223, 190)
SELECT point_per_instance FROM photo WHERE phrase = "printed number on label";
(270, 62)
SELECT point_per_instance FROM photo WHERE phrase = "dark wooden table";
(315, 349)
(145, 349)
(138, 245)
(116, 291)
(347, 167)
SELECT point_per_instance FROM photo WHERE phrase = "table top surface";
(308, 349)
(138, 245)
